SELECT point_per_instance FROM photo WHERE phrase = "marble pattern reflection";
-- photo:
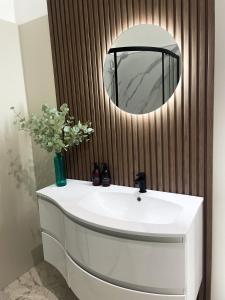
(42, 282)
(140, 79)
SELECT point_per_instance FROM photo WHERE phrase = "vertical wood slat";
(158, 117)
(67, 72)
(101, 50)
(86, 85)
(172, 145)
(105, 14)
(186, 96)
(111, 36)
(95, 104)
(118, 116)
(210, 53)
(201, 96)
(193, 96)
(125, 124)
(62, 71)
(89, 154)
(91, 109)
(75, 89)
(179, 103)
(81, 83)
(171, 110)
(165, 125)
(136, 17)
(201, 155)
(146, 129)
(113, 109)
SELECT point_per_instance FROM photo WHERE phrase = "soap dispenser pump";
(106, 176)
(96, 176)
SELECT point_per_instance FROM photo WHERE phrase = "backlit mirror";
(142, 69)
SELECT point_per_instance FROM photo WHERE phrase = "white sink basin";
(116, 208)
(126, 207)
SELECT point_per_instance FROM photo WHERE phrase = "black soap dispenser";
(96, 175)
(106, 177)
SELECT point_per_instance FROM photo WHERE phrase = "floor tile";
(42, 282)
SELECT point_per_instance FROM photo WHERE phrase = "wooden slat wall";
(173, 145)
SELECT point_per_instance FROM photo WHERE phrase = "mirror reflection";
(142, 69)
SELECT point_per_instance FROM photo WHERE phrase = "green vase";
(60, 170)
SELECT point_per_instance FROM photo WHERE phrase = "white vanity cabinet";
(101, 263)
(144, 265)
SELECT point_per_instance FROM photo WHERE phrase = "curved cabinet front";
(52, 220)
(93, 259)
(55, 254)
(87, 286)
(142, 265)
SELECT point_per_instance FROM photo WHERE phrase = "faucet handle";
(141, 181)
(141, 176)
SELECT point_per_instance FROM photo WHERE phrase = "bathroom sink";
(131, 207)
(119, 209)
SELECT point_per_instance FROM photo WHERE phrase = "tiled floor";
(42, 282)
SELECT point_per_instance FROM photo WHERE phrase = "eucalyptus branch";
(17, 115)
(55, 130)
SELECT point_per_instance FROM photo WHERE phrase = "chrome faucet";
(141, 181)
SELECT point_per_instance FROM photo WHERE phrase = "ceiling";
(22, 11)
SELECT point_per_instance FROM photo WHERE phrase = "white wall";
(40, 88)
(218, 268)
(26, 81)
(27, 10)
(7, 12)
(19, 222)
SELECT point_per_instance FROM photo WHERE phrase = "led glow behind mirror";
(142, 69)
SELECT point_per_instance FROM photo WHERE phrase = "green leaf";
(54, 130)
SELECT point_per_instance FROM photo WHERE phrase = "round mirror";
(142, 69)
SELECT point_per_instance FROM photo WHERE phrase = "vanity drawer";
(52, 220)
(154, 267)
(89, 287)
(54, 254)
